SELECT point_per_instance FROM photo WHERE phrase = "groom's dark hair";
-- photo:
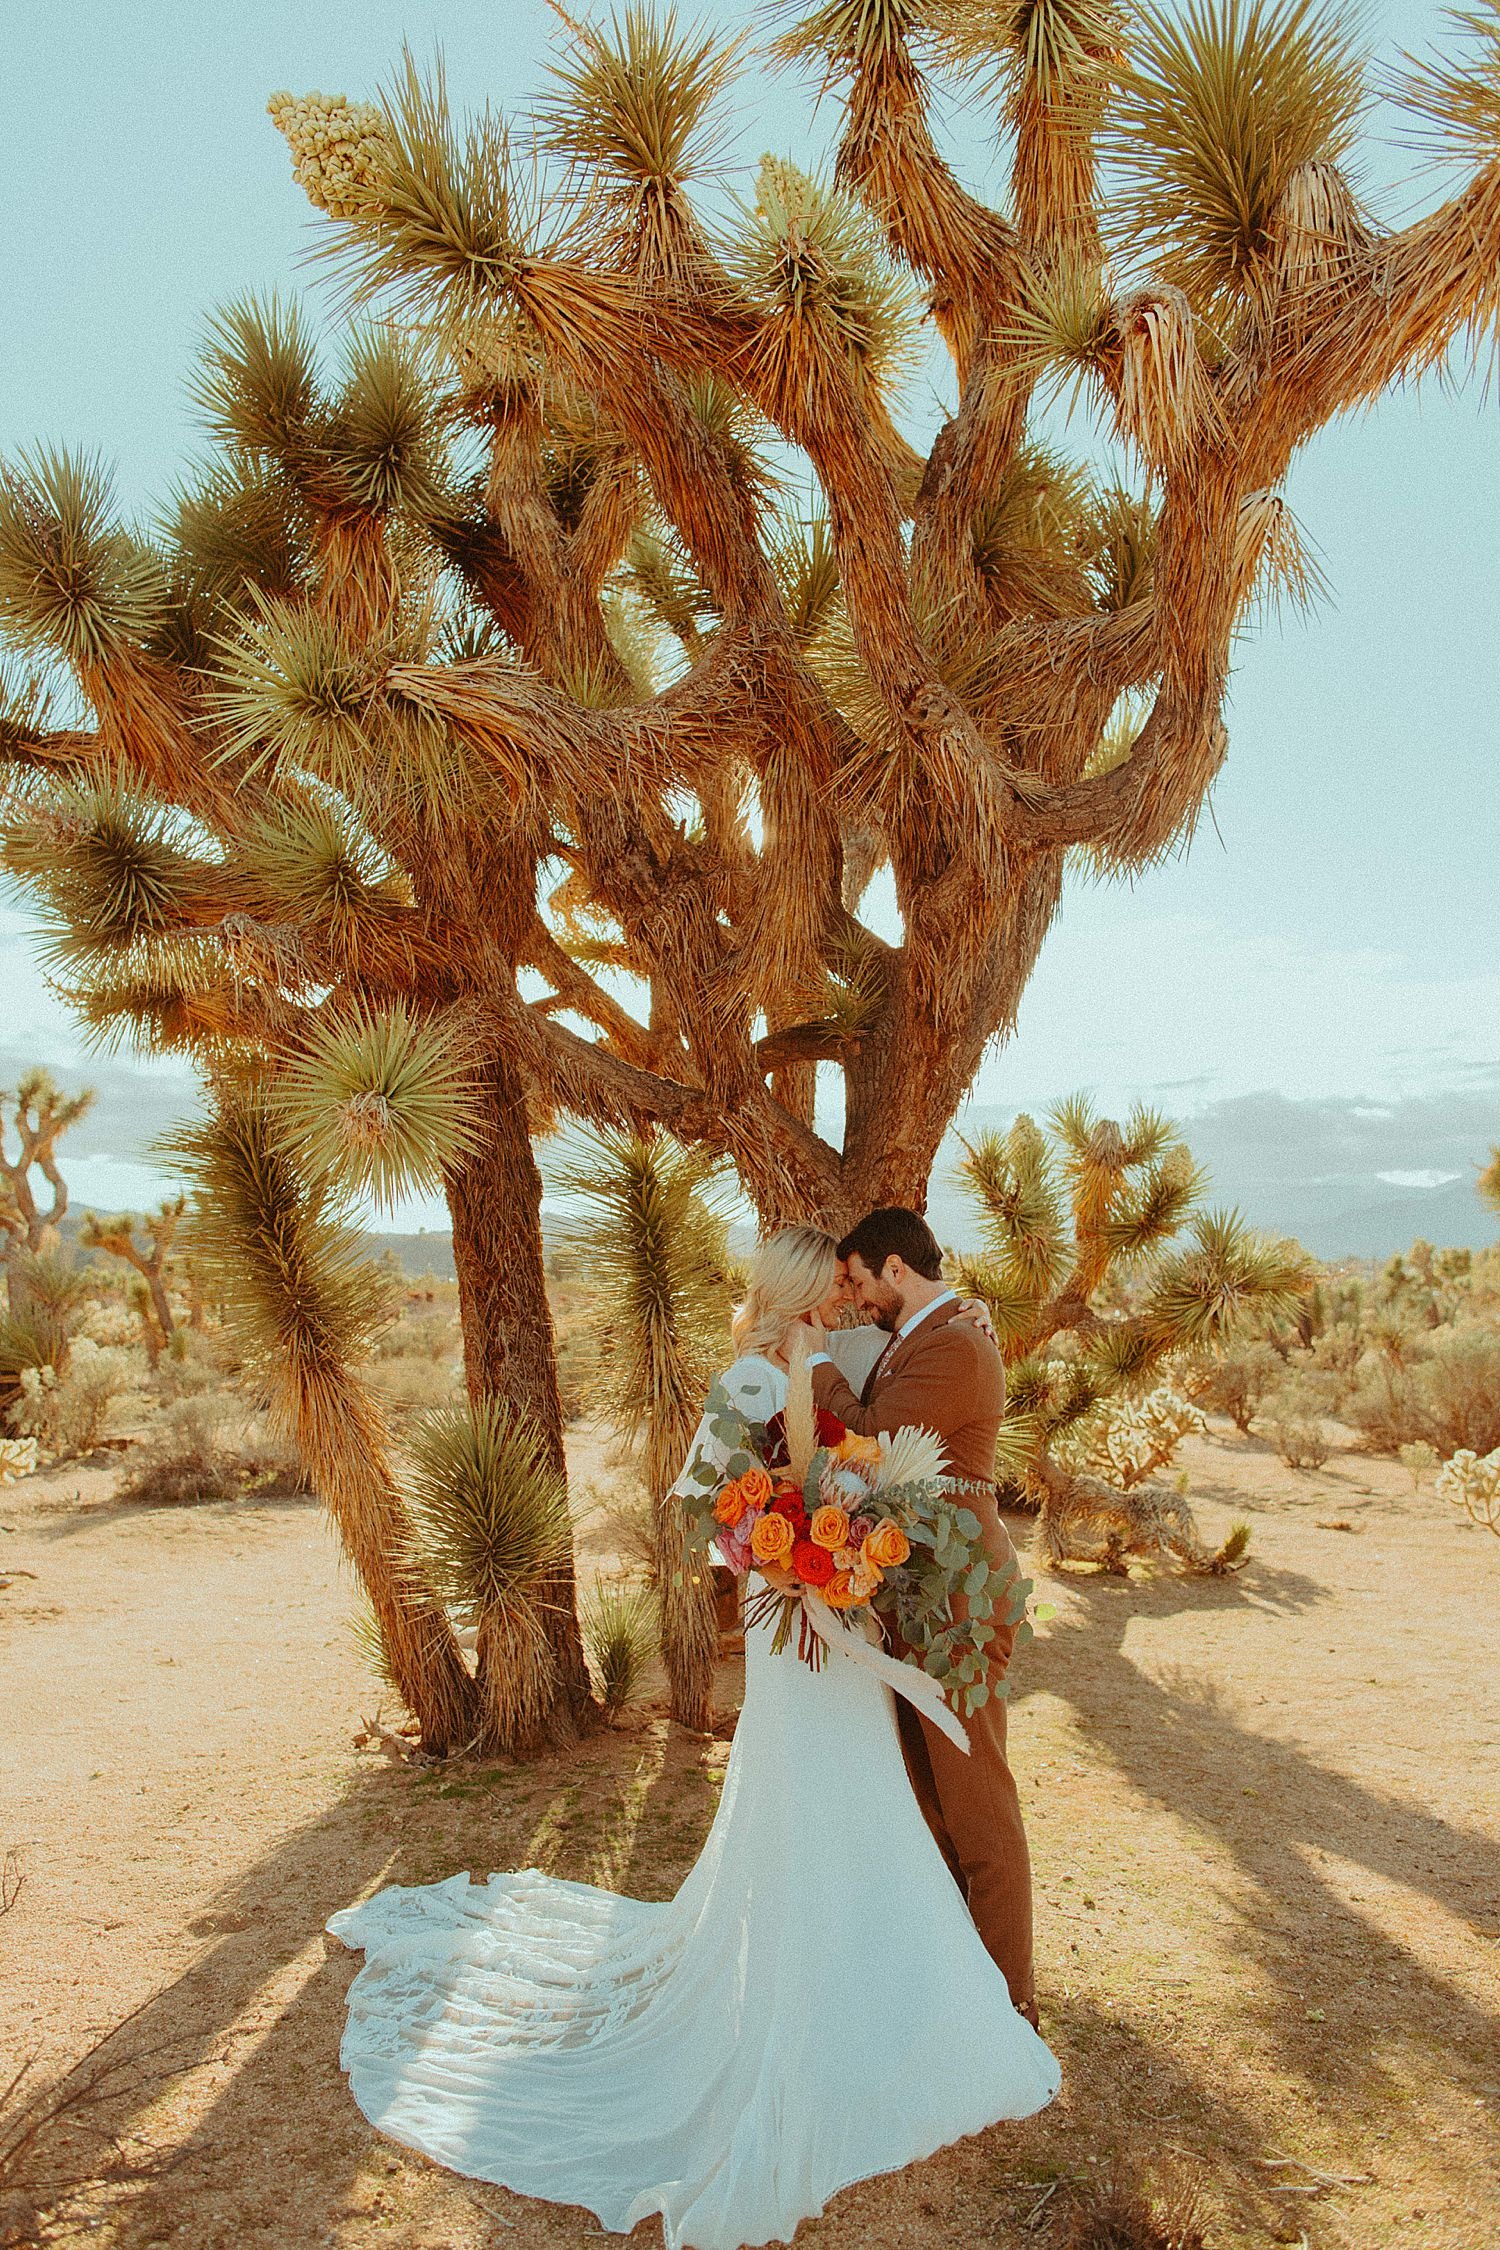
(895, 1233)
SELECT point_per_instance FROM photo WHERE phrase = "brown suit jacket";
(944, 1376)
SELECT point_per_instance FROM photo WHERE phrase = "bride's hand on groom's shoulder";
(975, 1313)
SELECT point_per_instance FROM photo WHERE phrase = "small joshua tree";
(1092, 1292)
(656, 1243)
(150, 1259)
(40, 1114)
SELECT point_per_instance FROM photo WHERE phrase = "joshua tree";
(655, 1239)
(41, 1114)
(498, 683)
(1092, 1293)
(118, 1237)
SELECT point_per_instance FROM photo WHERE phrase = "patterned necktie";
(870, 1380)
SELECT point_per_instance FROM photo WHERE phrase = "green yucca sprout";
(807, 571)
(620, 1632)
(491, 1532)
(379, 1102)
(295, 687)
(849, 32)
(316, 865)
(1216, 110)
(1012, 1175)
(238, 531)
(306, 1301)
(382, 445)
(1054, 50)
(256, 387)
(107, 860)
(490, 1509)
(632, 100)
(1201, 1295)
(1124, 549)
(73, 583)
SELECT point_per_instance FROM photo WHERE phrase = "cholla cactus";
(18, 1458)
(1127, 1439)
(1471, 1481)
(337, 150)
(1092, 1293)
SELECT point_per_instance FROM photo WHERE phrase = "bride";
(812, 2008)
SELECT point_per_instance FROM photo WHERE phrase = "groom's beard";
(886, 1312)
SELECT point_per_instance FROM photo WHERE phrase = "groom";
(943, 1374)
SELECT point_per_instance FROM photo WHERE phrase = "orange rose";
(853, 1447)
(771, 1540)
(886, 1546)
(829, 1528)
(755, 1484)
(839, 1592)
(731, 1504)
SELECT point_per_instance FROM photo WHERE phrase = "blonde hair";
(793, 1270)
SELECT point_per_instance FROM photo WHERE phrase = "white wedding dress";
(812, 2008)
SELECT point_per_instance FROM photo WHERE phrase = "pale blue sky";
(1331, 931)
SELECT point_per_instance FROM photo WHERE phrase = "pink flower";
(860, 1529)
(734, 1546)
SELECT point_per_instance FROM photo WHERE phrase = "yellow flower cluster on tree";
(337, 149)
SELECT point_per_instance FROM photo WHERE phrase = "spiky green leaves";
(851, 33)
(489, 1508)
(1200, 1294)
(303, 1297)
(1055, 51)
(378, 1102)
(297, 688)
(1218, 108)
(256, 387)
(109, 862)
(1013, 1177)
(373, 448)
(1457, 103)
(73, 583)
(633, 104)
(651, 1223)
(813, 265)
(620, 1632)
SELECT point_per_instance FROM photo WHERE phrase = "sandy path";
(1264, 1813)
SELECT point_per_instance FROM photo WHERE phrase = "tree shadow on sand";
(279, 2150)
(1275, 1810)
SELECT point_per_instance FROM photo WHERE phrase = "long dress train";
(812, 2008)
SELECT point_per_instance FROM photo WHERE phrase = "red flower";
(813, 1564)
(828, 1430)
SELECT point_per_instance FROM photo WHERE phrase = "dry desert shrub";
(70, 1414)
(1125, 2211)
(201, 1449)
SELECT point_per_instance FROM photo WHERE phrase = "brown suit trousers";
(952, 1380)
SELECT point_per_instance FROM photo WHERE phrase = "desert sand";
(1265, 1813)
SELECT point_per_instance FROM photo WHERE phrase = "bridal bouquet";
(827, 1520)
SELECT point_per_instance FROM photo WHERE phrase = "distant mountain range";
(1318, 1170)
(1350, 1179)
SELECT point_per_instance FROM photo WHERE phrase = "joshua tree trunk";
(510, 1349)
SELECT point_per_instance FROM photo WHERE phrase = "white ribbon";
(920, 1688)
